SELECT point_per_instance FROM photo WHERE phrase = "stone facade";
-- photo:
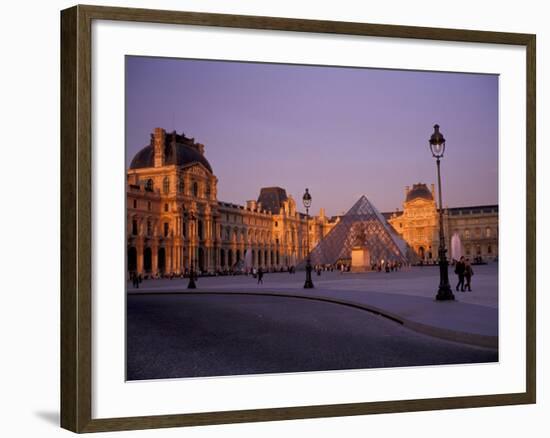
(418, 224)
(175, 221)
(477, 228)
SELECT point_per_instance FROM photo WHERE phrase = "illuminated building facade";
(175, 220)
(418, 224)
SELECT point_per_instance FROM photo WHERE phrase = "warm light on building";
(417, 223)
(174, 218)
(170, 180)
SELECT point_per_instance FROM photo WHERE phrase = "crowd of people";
(381, 266)
(477, 260)
(387, 266)
(339, 267)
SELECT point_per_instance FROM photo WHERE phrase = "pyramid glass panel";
(363, 226)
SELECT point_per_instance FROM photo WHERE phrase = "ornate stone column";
(154, 257)
(139, 255)
(170, 255)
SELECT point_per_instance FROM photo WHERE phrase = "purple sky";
(341, 132)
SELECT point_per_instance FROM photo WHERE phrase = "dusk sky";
(341, 132)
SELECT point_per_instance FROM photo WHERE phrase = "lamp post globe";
(307, 203)
(437, 143)
(307, 199)
(437, 147)
(191, 284)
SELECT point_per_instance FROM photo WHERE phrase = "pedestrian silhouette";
(260, 276)
(460, 268)
(468, 273)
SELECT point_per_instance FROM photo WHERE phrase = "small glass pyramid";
(364, 226)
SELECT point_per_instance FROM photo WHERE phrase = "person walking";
(468, 274)
(135, 281)
(260, 276)
(460, 267)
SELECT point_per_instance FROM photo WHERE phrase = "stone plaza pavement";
(406, 296)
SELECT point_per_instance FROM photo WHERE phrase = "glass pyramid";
(362, 225)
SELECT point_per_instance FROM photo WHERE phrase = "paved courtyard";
(414, 281)
(232, 325)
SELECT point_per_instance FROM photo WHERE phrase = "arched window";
(181, 185)
(149, 185)
(195, 189)
(165, 185)
(148, 228)
(166, 229)
(166, 207)
(134, 227)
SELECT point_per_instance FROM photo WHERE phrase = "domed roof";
(178, 150)
(419, 191)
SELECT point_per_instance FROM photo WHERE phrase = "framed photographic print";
(270, 218)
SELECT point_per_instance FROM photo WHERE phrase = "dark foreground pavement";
(407, 296)
(171, 336)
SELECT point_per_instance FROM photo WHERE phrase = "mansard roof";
(272, 198)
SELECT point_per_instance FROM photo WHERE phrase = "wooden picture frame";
(76, 218)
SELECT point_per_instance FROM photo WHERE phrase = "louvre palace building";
(476, 227)
(175, 221)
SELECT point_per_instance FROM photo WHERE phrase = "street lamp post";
(437, 147)
(191, 284)
(307, 203)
